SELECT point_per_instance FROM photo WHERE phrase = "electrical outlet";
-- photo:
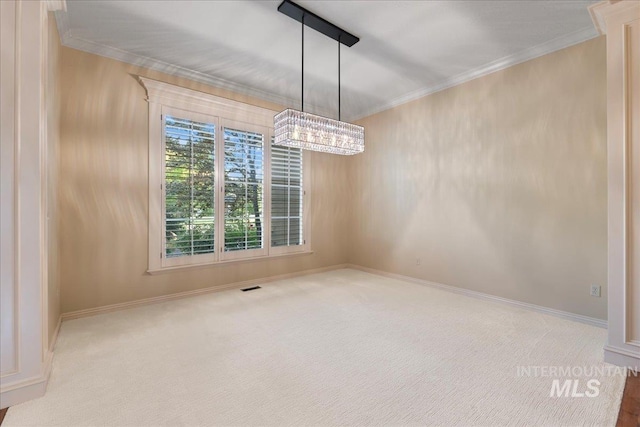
(418, 261)
(595, 290)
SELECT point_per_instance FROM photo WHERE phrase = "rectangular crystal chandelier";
(307, 131)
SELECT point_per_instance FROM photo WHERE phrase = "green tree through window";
(219, 189)
(192, 214)
(243, 172)
(190, 187)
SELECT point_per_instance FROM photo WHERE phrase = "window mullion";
(266, 191)
(245, 214)
(220, 184)
(191, 183)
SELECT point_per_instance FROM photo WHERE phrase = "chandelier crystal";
(297, 129)
(307, 131)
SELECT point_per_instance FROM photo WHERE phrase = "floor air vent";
(250, 289)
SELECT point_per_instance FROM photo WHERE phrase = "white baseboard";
(30, 388)
(551, 311)
(153, 300)
(54, 339)
(22, 391)
(622, 357)
(27, 389)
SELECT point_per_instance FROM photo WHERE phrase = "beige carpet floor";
(337, 348)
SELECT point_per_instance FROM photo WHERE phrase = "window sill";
(166, 270)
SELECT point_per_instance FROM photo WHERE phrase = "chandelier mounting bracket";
(319, 24)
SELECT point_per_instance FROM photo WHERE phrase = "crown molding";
(69, 40)
(542, 49)
(84, 45)
(55, 5)
(62, 22)
(596, 16)
(601, 11)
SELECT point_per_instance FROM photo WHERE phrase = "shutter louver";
(286, 196)
(243, 189)
(189, 187)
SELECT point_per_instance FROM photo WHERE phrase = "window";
(219, 190)
(243, 189)
(286, 196)
(189, 188)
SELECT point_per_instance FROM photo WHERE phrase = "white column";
(25, 357)
(620, 21)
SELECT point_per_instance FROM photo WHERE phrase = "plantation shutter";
(243, 190)
(189, 187)
(286, 196)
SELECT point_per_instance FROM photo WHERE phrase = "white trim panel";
(28, 136)
(623, 144)
(9, 214)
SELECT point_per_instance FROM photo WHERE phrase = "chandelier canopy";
(308, 131)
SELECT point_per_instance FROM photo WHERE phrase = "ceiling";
(407, 49)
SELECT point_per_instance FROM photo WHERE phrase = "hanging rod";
(319, 24)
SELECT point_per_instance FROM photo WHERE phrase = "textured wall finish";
(497, 185)
(103, 193)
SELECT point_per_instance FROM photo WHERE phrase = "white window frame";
(164, 99)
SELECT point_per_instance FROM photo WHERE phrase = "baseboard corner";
(622, 357)
(29, 388)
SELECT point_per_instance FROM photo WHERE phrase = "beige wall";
(53, 140)
(103, 193)
(497, 185)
